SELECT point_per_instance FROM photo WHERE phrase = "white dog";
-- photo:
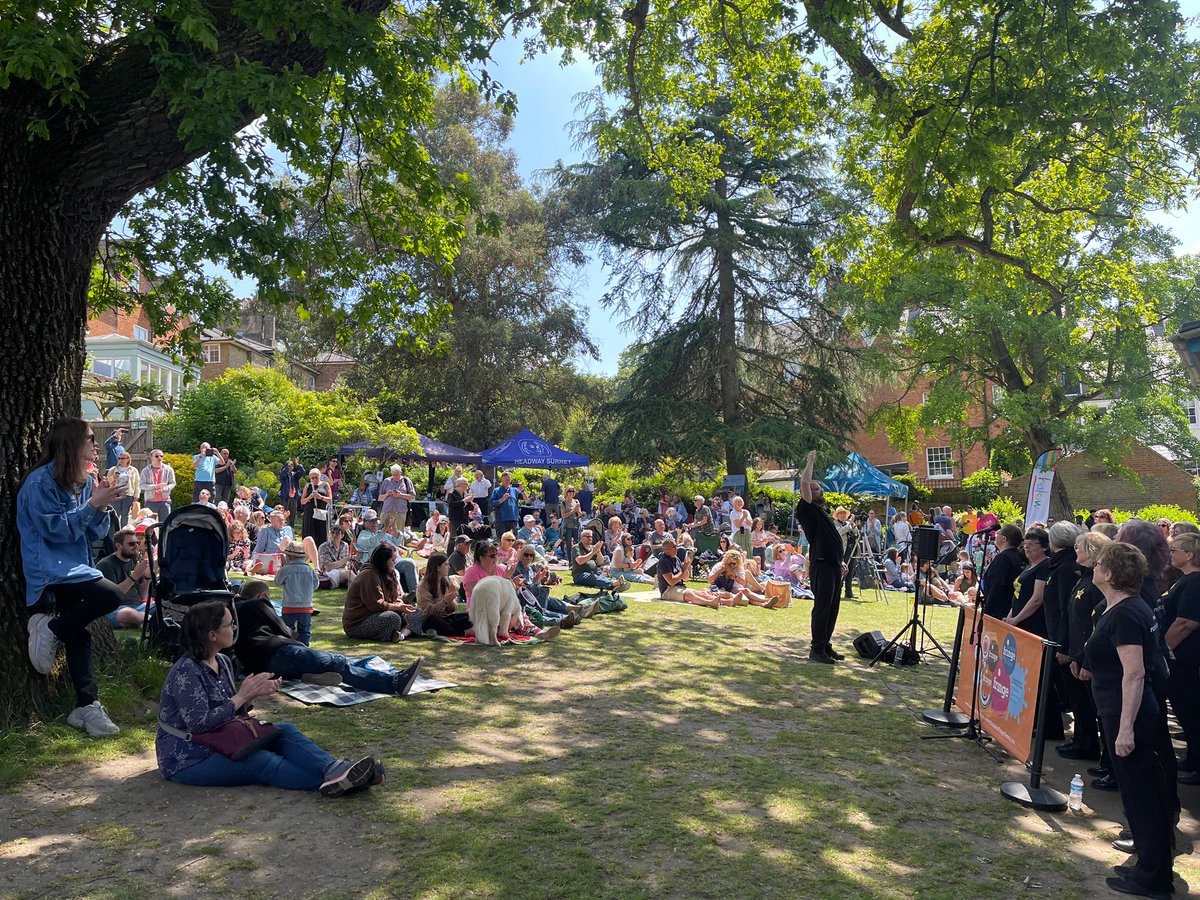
(494, 609)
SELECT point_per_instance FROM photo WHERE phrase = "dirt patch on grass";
(667, 752)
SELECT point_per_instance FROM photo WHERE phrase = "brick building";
(223, 350)
(331, 365)
(1090, 486)
(938, 461)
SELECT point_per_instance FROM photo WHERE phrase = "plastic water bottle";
(1075, 801)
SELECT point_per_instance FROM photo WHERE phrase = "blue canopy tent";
(530, 451)
(857, 476)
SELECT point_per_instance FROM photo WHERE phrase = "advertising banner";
(1010, 670)
(1037, 506)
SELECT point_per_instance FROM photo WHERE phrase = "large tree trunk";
(727, 348)
(44, 275)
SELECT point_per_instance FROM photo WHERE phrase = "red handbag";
(238, 738)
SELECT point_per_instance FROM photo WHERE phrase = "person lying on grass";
(265, 643)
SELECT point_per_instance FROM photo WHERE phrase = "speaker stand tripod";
(863, 560)
(914, 626)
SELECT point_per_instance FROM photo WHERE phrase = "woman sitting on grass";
(625, 563)
(239, 547)
(733, 584)
(506, 552)
(437, 600)
(437, 542)
(374, 610)
(199, 696)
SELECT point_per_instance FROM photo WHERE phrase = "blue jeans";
(552, 609)
(591, 579)
(570, 537)
(112, 616)
(121, 508)
(293, 660)
(631, 576)
(296, 764)
(301, 625)
(406, 569)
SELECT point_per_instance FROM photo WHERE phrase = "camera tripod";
(863, 559)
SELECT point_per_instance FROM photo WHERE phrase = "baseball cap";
(370, 515)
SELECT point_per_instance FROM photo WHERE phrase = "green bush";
(185, 477)
(1157, 511)
(1007, 510)
(782, 501)
(916, 491)
(982, 487)
(836, 499)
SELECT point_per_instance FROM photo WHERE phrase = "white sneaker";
(43, 643)
(93, 719)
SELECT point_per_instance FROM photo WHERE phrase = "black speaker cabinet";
(869, 643)
(926, 541)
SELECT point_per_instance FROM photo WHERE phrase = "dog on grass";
(494, 609)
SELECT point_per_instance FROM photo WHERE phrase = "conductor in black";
(825, 566)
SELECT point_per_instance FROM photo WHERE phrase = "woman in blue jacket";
(61, 509)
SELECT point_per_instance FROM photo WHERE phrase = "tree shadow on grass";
(666, 752)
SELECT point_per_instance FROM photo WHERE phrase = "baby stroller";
(193, 545)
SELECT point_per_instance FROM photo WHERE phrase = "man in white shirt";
(481, 490)
(449, 485)
(901, 533)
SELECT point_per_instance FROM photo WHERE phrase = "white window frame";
(212, 353)
(141, 334)
(1189, 409)
(939, 463)
(111, 367)
(997, 394)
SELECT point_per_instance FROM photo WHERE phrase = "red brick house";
(939, 461)
(223, 350)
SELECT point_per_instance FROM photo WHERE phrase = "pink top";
(473, 574)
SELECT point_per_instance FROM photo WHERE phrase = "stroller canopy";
(193, 547)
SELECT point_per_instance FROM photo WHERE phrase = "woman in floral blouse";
(199, 696)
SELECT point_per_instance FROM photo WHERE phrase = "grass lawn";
(666, 751)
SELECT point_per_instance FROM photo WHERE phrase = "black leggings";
(453, 625)
(76, 606)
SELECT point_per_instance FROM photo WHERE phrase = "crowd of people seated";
(1121, 603)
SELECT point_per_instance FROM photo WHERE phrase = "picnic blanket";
(513, 640)
(344, 695)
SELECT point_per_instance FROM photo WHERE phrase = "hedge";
(185, 477)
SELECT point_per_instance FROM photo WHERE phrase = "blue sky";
(547, 97)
